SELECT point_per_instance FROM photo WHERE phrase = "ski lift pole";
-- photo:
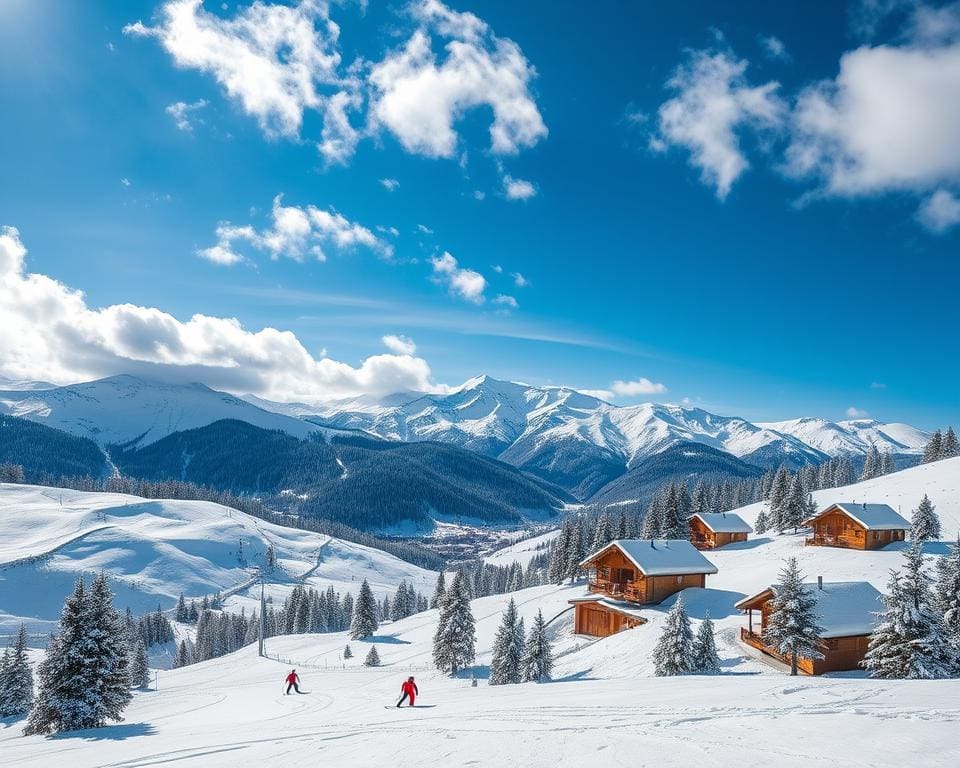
(262, 607)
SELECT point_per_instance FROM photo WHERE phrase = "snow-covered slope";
(120, 409)
(155, 549)
(853, 438)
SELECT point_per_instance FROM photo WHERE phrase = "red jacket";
(410, 688)
(293, 677)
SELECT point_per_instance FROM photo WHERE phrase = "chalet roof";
(724, 522)
(844, 608)
(873, 517)
(660, 557)
(617, 606)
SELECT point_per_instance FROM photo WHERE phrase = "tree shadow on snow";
(480, 672)
(384, 640)
(110, 732)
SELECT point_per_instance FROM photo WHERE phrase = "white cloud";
(424, 229)
(465, 283)
(518, 189)
(714, 103)
(400, 345)
(125, 181)
(939, 212)
(180, 112)
(774, 48)
(856, 413)
(506, 301)
(479, 194)
(419, 100)
(389, 184)
(639, 386)
(295, 233)
(519, 280)
(47, 331)
(877, 385)
(890, 119)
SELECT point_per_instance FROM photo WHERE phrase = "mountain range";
(562, 437)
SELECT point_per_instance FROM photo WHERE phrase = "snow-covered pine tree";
(139, 666)
(762, 523)
(399, 605)
(672, 524)
(84, 679)
(651, 520)
(924, 524)
(622, 531)
(673, 653)
(910, 639)
(364, 620)
(705, 658)
(778, 495)
(887, 464)
(184, 655)
(844, 472)
(373, 658)
(872, 464)
(576, 551)
(347, 653)
(438, 591)
(561, 552)
(537, 655)
(454, 644)
(182, 615)
(933, 448)
(505, 667)
(16, 678)
(792, 629)
(794, 507)
(949, 446)
(602, 532)
(946, 597)
(699, 503)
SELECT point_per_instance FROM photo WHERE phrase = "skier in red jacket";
(293, 681)
(410, 691)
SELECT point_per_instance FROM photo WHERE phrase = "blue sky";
(719, 204)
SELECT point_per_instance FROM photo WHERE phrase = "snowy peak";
(854, 437)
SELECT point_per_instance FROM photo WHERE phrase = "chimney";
(864, 505)
(819, 582)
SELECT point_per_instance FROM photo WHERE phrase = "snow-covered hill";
(121, 409)
(853, 438)
(155, 549)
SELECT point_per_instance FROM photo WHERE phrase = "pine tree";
(364, 621)
(949, 446)
(347, 653)
(537, 655)
(454, 644)
(792, 629)
(561, 554)
(84, 679)
(933, 448)
(373, 658)
(794, 507)
(505, 667)
(673, 653)
(909, 641)
(602, 533)
(651, 521)
(946, 597)
(925, 525)
(887, 464)
(16, 678)
(672, 524)
(778, 495)
(184, 655)
(438, 591)
(139, 666)
(762, 523)
(705, 657)
(872, 464)
(576, 551)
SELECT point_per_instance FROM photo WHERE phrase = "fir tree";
(762, 523)
(139, 666)
(887, 464)
(84, 679)
(438, 591)
(946, 599)
(505, 667)
(672, 524)
(537, 655)
(561, 552)
(949, 446)
(872, 464)
(792, 629)
(651, 521)
(454, 644)
(794, 507)
(933, 448)
(184, 655)
(364, 621)
(925, 525)
(16, 678)
(705, 657)
(576, 551)
(909, 641)
(347, 653)
(373, 658)
(778, 495)
(602, 533)
(673, 653)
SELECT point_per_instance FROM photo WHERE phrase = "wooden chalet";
(845, 609)
(856, 526)
(709, 530)
(628, 573)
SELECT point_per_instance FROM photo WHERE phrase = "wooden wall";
(854, 535)
(595, 620)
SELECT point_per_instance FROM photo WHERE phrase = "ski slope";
(154, 550)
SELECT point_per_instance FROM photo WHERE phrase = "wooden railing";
(752, 638)
(631, 591)
(825, 540)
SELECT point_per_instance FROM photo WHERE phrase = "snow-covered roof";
(873, 517)
(618, 606)
(724, 522)
(844, 608)
(660, 557)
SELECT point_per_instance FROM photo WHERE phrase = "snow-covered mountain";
(854, 437)
(123, 409)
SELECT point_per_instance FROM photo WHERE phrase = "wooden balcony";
(825, 540)
(752, 638)
(631, 591)
(702, 542)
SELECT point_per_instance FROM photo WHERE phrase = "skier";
(410, 691)
(293, 681)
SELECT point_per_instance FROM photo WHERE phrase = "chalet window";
(679, 579)
(876, 535)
